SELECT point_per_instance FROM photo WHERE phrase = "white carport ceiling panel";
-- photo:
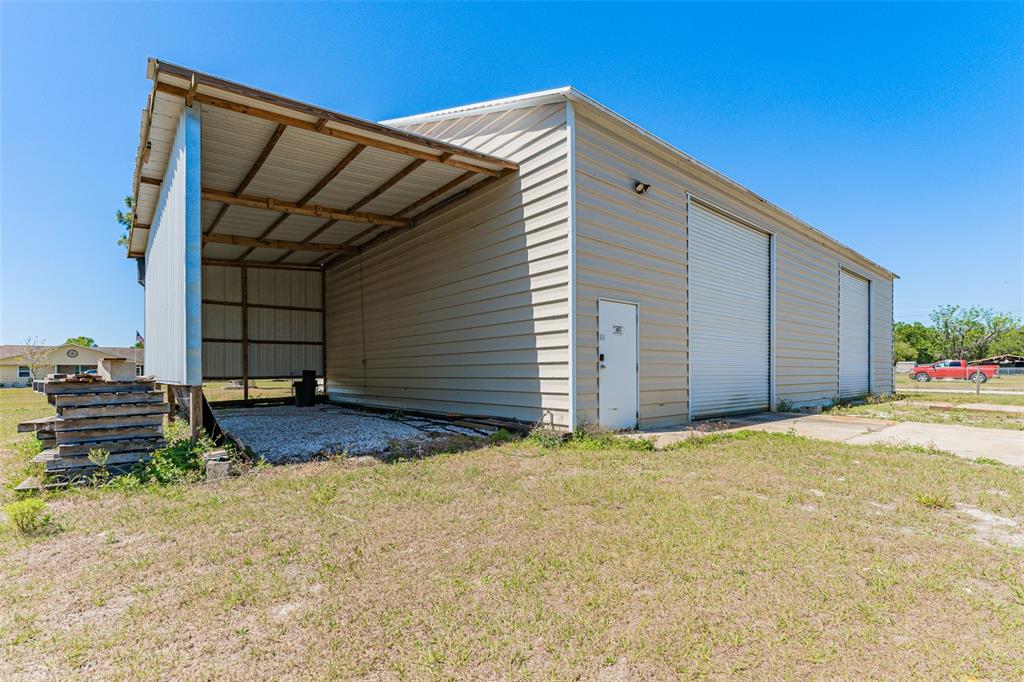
(340, 232)
(729, 315)
(302, 258)
(421, 182)
(223, 251)
(242, 220)
(231, 144)
(296, 227)
(264, 255)
(297, 163)
(368, 171)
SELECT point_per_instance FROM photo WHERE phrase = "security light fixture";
(642, 187)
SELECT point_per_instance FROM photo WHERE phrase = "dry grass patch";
(903, 412)
(751, 555)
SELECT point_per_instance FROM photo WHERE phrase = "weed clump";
(28, 516)
(587, 438)
(179, 461)
(934, 500)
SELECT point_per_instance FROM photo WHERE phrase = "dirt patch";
(993, 528)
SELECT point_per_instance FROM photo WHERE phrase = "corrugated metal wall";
(285, 323)
(469, 311)
(172, 296)
(632, 247)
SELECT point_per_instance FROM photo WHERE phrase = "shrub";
(28, 516)
(179, 461)
(785, 405)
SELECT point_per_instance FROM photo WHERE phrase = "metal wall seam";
(570, 127)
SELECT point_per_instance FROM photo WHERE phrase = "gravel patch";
(284, 433)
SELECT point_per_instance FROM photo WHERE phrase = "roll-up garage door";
(729, 313)
(854, 335)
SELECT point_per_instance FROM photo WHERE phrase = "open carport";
(243, 198)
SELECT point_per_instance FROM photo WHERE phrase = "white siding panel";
(173, 269)
(467, 313)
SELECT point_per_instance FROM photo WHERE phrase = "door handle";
(601, 357)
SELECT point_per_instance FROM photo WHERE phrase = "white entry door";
(854, 335)
(730, 315)
(618, 403)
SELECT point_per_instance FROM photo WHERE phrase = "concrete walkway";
(970, 442)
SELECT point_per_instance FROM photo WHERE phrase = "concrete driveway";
(970, 442)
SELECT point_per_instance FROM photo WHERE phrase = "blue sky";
(897, 129)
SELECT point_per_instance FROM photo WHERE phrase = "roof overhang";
(303, 184)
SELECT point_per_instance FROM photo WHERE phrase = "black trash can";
(305, 390)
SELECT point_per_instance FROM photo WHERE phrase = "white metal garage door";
(729, 306)
(854, 335)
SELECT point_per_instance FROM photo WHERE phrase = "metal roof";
(288, 182)
(569, 93)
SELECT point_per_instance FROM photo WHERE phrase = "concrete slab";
(1004, 445)
(970, 442)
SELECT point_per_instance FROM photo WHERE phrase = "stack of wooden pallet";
(124, 419)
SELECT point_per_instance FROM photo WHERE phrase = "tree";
(36, 356)
(1009, 343)
(967, 332)
(86, 341)
(903, 351)
(922, 338)
(125, 218)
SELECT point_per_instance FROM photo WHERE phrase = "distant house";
(68, 358)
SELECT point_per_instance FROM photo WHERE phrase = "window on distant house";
(138, 370)
(24, 372)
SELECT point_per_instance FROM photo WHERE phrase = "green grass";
(753, 556)
(258, 388)
(17, 449)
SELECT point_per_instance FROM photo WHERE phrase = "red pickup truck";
(954, 369)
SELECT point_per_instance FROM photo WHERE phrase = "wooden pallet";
(122, 418)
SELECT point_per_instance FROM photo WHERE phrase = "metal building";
(537, 258)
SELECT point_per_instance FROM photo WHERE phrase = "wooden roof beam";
(311, 126)
(290, 207)
(236, 240)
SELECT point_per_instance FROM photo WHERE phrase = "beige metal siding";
(632, 247)
(882, 363)
(468, 312)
